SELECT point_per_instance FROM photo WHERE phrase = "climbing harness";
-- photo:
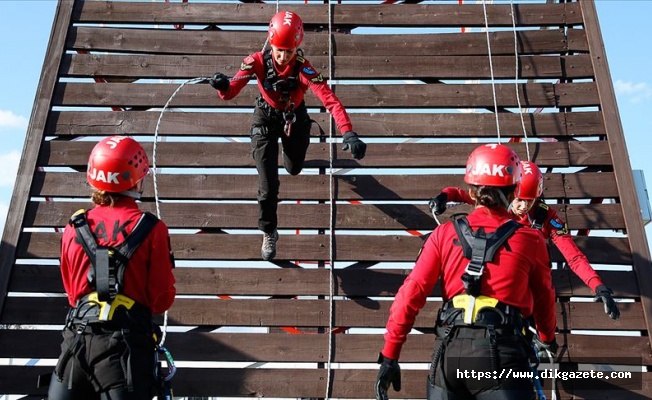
(480, 248)
(473, 309)
(108, 264)
(106, 305)
(283, 86)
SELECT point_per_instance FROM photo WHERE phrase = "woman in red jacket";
(116, 267)
(529, 209)
(494, 275)
(284, 76)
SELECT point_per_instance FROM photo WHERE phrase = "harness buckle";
(474, 268)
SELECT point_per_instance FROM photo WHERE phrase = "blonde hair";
(102, 198)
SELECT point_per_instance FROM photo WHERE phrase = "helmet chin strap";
(132, 193)
(135, 191)
(506, 202)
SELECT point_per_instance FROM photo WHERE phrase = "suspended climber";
(494, 276)
(283, 76)
(116, 267)
(529, 209)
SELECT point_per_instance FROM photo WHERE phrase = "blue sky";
(26, 27)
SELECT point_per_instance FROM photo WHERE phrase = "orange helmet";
(117, 164)
(531, 185)
(493, 165)
(285, 30)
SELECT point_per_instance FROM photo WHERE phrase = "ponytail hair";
(493, 196)
(103, 198)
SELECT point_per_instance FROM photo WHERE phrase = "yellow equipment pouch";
(107, 309)
(472, 305)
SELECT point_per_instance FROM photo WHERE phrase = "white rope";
(518, 98)
(331, 280)
(155, 180)
(267, 37)
(491, 68)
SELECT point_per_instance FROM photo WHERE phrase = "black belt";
(499, 316)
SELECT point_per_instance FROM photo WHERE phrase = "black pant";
(266, 129)
(469, 351)
(98, 367)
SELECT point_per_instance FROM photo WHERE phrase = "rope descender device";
(290, 117)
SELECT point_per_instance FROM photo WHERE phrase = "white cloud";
(10, 120)
(9, 162)
(632, 91)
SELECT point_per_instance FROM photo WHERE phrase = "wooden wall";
(419, 92)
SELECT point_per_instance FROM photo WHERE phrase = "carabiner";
(172, 369)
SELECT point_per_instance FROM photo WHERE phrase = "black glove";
(544, 347)
(438, 204)
(389, 372)
(357, 146)
(219, 81)
(603, 294)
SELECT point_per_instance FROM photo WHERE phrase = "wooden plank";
(33, 141)
(346, 67)
(421, 15)
(357, 312)
(295, 348)
(581, 94)
(314, 216)
(350, 282)
(556, 125)
(301, 383)
(316, 187)
(307, 247)
(622, 167)
(392, 155)
(243, 42)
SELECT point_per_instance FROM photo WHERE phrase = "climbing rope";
(331, 252)
(154, 155)
(516, 69)
(491, 68)
(164, 330)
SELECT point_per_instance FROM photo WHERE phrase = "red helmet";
(531, 185)
(285, 30)
(492, 165)
(117, 164)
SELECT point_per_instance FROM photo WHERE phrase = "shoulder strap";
(127, 248)
(540, 215)
(99, 256)
(269, 64)
(107, 263)
(480, 248)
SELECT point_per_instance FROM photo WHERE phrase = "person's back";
(494, 276)
(516, 276)
(147, 277)
(529, 209)
(116, 268)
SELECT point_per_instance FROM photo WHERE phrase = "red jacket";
(555, 229)
(148, 277)
(308, 78)
(520, 277)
